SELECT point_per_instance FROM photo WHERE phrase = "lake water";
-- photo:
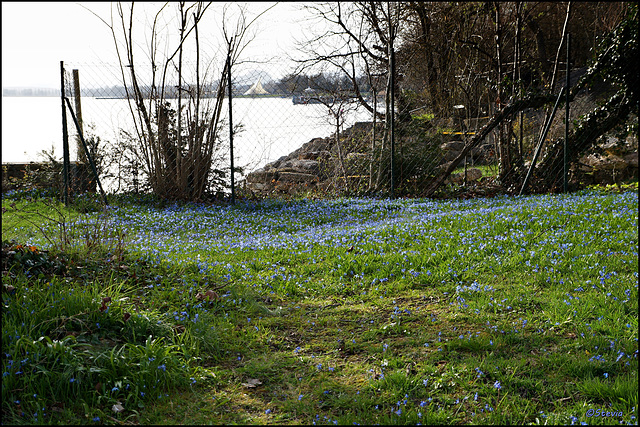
(271, 127)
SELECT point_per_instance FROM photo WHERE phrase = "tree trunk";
(504, 154)
(504, 114)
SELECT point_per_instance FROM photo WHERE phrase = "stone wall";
(81, 176)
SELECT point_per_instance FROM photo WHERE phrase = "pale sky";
(36, 36)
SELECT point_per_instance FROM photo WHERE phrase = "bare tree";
(354, 42)
(178, 113)
(358, 42)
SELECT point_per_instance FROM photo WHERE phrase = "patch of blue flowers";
(373, 243)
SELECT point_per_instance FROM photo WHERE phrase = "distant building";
(256, 89)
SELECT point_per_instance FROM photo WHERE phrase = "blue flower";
(497, 385)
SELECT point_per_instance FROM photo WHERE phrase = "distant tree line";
(30, 92)
(295, 84)
(289, 85)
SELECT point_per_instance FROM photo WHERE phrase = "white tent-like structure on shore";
(257, 89)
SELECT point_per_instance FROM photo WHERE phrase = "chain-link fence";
(285, 134)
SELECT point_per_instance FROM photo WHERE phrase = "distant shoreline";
(123, 97)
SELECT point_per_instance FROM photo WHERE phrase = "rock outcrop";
(313, 166)
(296, 172)
(317, 165)
(617, 162)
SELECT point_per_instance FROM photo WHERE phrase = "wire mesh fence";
(297, 136)
(286, 135)
(287, 129)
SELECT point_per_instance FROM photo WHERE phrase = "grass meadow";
(505, 310)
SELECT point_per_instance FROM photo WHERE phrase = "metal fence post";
(65, 140)
(566, 119)
(392, 71)
(541, 141)
(233, 184)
